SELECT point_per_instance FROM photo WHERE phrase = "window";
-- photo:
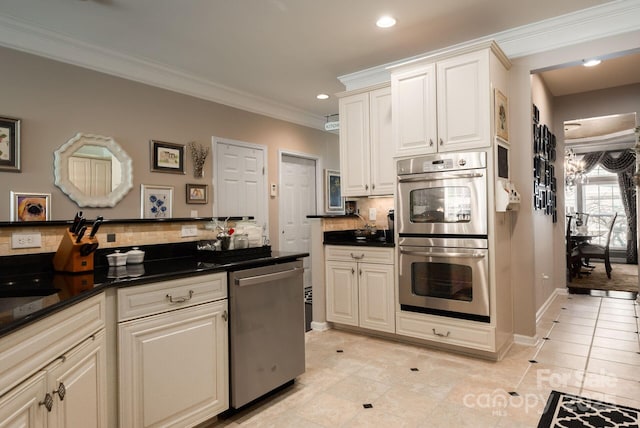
(600, 197)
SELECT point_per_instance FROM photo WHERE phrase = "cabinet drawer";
(149, 299)
(449, 331)
(359, 254)
(29, 349)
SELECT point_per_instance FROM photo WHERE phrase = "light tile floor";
(589, 346)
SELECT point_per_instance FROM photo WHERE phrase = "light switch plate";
(372, 214)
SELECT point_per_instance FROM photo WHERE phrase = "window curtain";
(624, 165)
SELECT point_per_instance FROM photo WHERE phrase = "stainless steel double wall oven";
(442, 228)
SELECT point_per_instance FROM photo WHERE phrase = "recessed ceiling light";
(322, 96)
(591, 62)
(386, 22)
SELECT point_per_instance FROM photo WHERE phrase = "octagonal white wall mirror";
(93, 170)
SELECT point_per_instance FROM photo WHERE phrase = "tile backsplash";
(126, 235)
(382, 206)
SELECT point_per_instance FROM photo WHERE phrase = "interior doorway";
(297, 200)
(240, 184)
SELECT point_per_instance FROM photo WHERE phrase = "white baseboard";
(557, 292)
(521, 339)
(319, 326)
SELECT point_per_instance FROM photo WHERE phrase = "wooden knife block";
(68, 257)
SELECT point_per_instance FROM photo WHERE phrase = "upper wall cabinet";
(366, 151)
(445, 104)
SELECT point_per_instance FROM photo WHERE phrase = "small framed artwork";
(333, 194)
(197, 193)
(502, 115)
(9, 144)
(156, 201)
(167, 157)
(30, 206)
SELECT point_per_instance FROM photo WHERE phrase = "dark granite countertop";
(348, 237)
(31, 296)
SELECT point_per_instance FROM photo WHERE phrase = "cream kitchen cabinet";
(360, 287)
(53, 372)
(445, 104)
(366, 153)
(173, 352)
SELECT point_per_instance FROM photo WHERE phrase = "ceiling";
(284, 51)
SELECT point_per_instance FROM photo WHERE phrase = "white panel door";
(297, 201)
(414, 111)
(376, 297)
(383, 174)
(464, 97)
(240, 181)
(342, 292)
(354, 145)
(20, 408)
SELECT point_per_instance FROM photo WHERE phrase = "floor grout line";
(593, 336)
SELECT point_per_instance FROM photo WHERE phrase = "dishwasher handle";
(269, 277)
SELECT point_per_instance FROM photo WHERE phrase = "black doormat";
(571, 411)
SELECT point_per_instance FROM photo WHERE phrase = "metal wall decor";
(544, 174)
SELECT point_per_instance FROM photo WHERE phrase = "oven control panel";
(442, 162)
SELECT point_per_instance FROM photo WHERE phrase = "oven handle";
(444, 255)
(438, 177)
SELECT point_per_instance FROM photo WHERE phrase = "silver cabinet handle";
(47, 402)
(443, 255)
(441, 142)
(225, 315)
(439, 176)
(440, 334)
(269, 277)
(430, 142)
(180, 299)
(361, 256)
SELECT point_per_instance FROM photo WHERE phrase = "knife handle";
(81, 233)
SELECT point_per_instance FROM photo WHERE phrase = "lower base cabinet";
(173, 366)
(69, 392)
(360, 287)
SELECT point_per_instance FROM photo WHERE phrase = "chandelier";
(573, 169)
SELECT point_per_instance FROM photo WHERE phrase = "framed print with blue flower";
(156, 201)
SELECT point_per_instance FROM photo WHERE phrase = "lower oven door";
(445, 281)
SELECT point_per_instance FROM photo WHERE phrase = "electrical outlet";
(189, 230)
(26, 240)
(372, 214)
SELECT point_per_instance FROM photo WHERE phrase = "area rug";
(570, 411)
(624, 277)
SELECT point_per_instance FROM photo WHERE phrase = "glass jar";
(240, 240)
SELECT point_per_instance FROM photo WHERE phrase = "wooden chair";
(595, 251)
(574, 260)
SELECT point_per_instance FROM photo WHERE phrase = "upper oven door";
(443, 203)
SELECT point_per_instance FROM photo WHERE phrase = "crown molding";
(610, 19)
(24, 37)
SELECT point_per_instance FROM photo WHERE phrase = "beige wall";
(57, 100)
(545, 256)
(526, 301)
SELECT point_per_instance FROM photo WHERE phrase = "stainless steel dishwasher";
(266, 329)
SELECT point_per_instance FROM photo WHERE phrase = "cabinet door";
(414, 111)
(342, 292)
(354, 145)
(376, 297)
(21, 408)
(464, 120)
(383, 174)
(78, 385)
(173, 367)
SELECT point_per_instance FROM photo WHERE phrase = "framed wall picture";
(502, 115)
(156, 201)
(167, 157)
(30, 206)
(333, 194)
(197, 193)
(9, 144)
